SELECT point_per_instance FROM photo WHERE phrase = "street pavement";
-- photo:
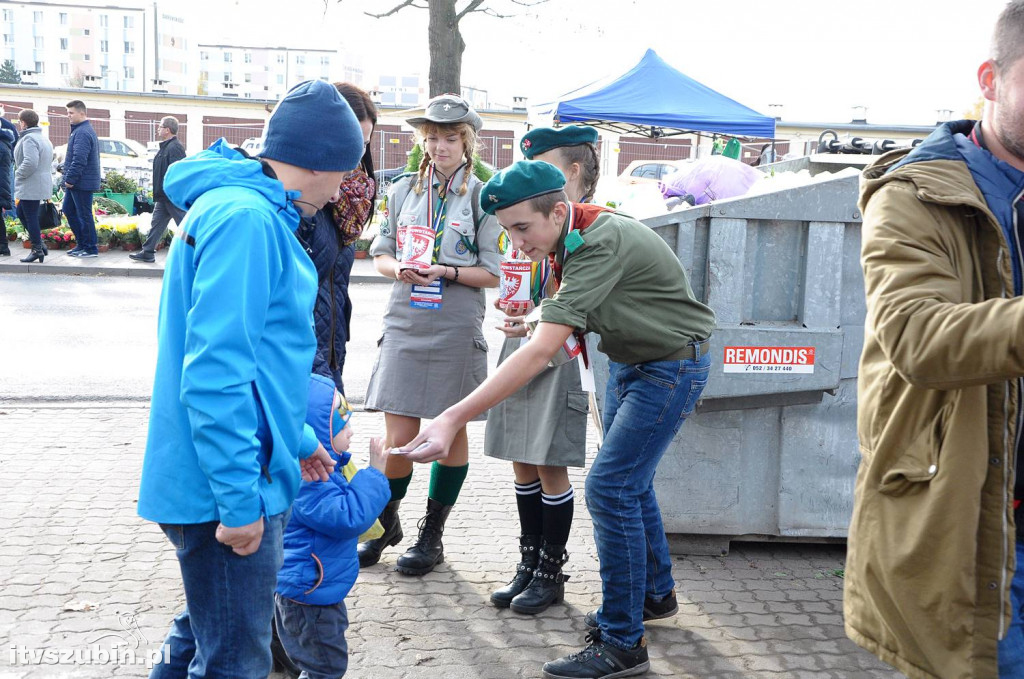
(81, 571)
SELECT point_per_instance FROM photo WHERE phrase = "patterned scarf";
(352, 211)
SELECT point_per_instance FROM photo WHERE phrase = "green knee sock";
(399, 486)
(446, 482)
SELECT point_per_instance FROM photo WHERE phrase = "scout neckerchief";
(580, 217)
(438, 212)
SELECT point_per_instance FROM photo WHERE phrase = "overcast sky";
(903, 59)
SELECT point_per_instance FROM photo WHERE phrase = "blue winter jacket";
(235, 345)
(82, 159)
(332, 313)
(6, 165)
(320, 559)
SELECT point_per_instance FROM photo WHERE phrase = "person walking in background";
(171, 151)
(328, 239)
(542, 428)
(6, 180)
(81, 179)
(32, 180)
(235, 344)
(432, 351)
(930, 584)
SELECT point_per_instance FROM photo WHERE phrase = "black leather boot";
(5, 249)
(370, 551)
(35, 254)
(548, 584)
(428, 551)
(529, 548)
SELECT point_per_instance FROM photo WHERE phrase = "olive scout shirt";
(626, 284)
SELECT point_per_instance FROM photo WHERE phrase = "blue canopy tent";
(654, 100)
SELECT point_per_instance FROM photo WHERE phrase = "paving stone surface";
(79, 569)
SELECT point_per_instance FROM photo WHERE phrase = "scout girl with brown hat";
(542, 428)
(432, 350)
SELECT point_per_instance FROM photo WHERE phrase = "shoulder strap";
(476, 204)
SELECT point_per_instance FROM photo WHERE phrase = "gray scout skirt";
(429, 359)
(545, 422)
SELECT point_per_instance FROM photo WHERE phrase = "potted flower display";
(362, 247)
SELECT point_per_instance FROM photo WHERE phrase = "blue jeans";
(314, 637)
(1011, 648)
(224, 631)
(645, 404)
(78, 210)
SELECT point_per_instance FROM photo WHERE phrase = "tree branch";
(397, 8)
(471, 7)
(523, 3)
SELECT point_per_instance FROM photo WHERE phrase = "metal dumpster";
(772, 448)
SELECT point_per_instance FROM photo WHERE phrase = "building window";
(227, 77)
(87, 57)
(280, 58)
(63, 18)
(227, 57)
(64, 44)
(300, 59)
(104, 21)
(204, 56)
(37, 17)
(85, 31)
(129, 72)
(129, 47)
(39, 42)
(9, 15)
(248, 77)
(8, 39)
(280, 79)
(104, 46)
(248, 57)
(129, 22)
(325, 61)
(39, 67)
(64, 69)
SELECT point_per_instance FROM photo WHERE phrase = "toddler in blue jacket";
(320, 560)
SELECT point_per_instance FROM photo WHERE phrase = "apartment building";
(251, 72)
(130, 46)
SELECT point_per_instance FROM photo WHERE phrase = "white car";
(115, 154)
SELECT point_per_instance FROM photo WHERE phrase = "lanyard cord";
(437, 213)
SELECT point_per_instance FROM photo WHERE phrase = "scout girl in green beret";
(619, 279)
(432, 350)
(542, 428)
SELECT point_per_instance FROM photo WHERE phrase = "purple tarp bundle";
(711, 178)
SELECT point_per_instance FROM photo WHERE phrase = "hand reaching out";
(318, 466)
(378, 454)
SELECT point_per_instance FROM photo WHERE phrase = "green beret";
(518, 182)
(541, 139)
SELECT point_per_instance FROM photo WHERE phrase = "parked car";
(385, 177)
(649, 171)
(115, 154)
(253, 145)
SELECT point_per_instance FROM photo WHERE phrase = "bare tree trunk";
(446, 48)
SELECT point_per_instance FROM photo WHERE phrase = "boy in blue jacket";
(320, 559)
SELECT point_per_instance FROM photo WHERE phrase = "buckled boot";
(529, 549)
(370, 551)
(428, 551)
(35, 254)
(548, 584)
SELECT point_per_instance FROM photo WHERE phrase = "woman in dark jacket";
(329, 237)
